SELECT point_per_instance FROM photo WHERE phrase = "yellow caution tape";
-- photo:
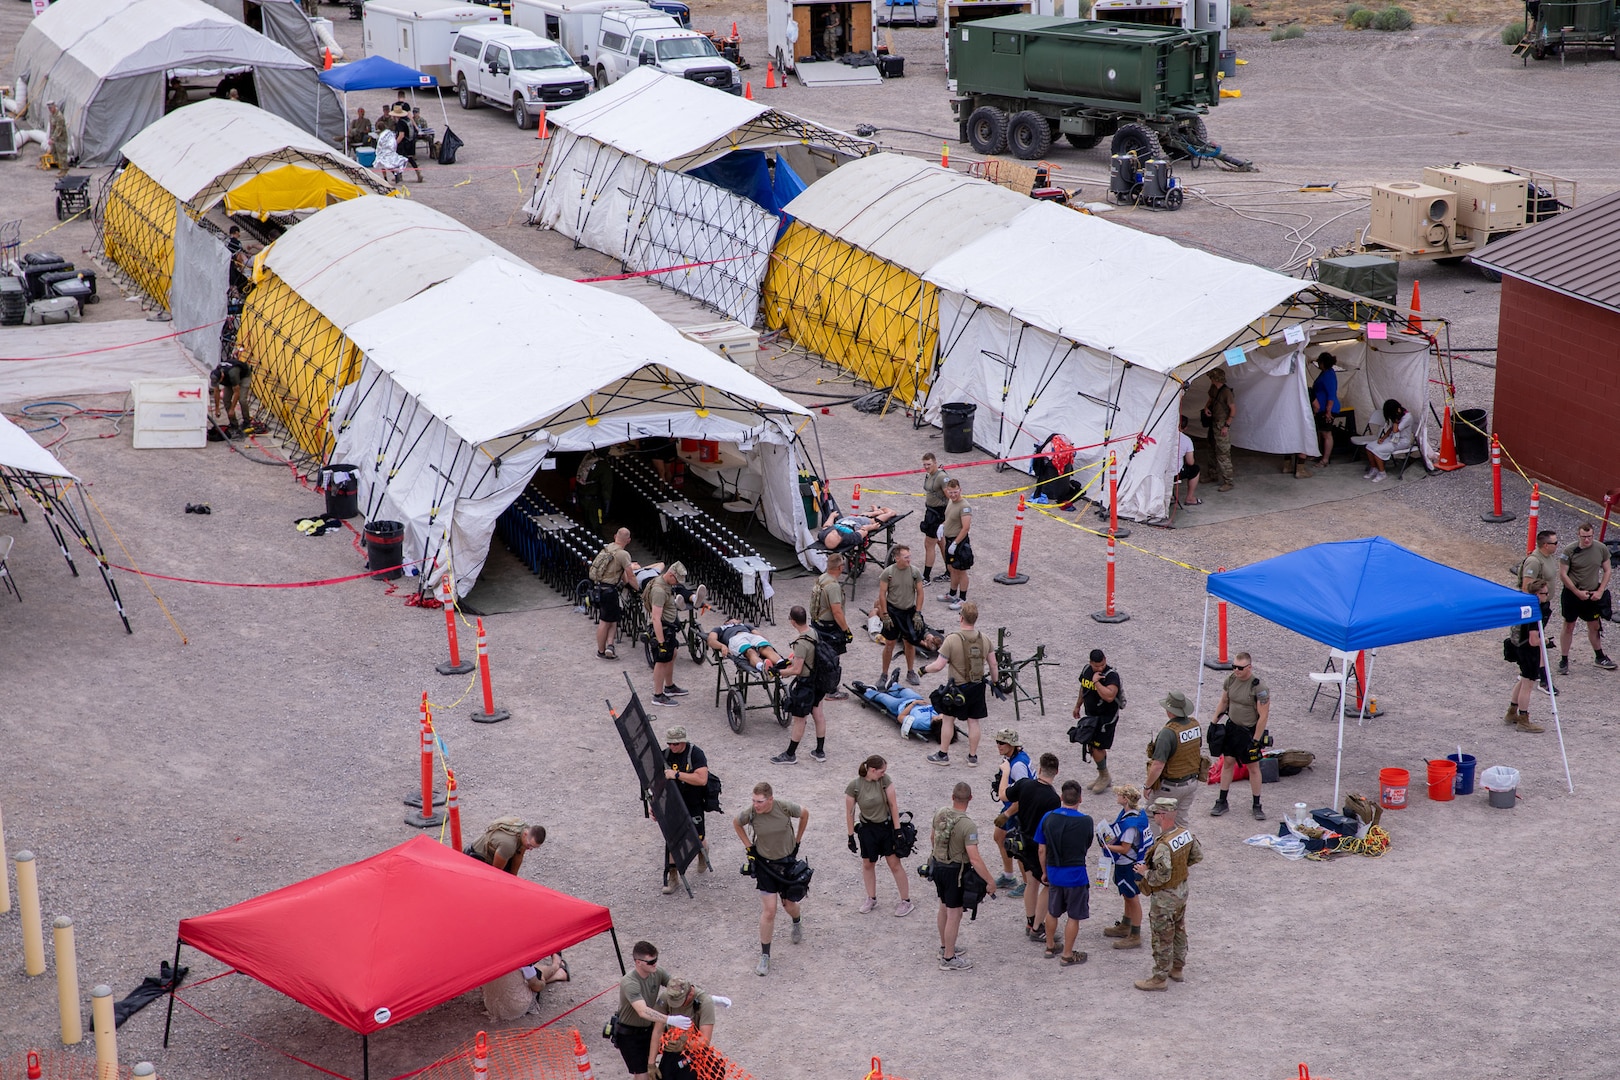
(1097, 466)
(1122, 543)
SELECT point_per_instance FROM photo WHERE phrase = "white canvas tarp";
(542, 365)
(107, 62)
(19, 451)
(615, 181)
(1064, 322)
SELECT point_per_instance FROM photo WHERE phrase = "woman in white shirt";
(1400, 429)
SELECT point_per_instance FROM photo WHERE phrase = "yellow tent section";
(328, 272)
(287, 189)
(211, 152)
(874, 319)
(846, 278)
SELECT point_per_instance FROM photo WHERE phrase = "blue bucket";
(1464, 784)
(366, 156)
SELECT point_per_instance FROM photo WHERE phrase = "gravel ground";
(266, 735)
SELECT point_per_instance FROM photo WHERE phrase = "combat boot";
(1512, 716)
(1132, 939)
(1119, 929)
(1102, 783)
(1153, 982)
(1176, 975)
(1523, 724)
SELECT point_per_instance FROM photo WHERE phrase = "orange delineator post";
(1535, 518)
(480, 1059)
(1012, 576)
(1415, 325)
(1111, 614)
(1113, 498)
(490, 715)
(582, 1059)
(1448, 445)
(455, 666)
(452, 807)
(1496, 516)
(1221, 661)
(425, 816)
(540, 125)
(855, 501)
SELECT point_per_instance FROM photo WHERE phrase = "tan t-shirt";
(659, 595)
(953, 831)
(955, 511)
(828, 591)
(871, 798)
(633, 988)
(934, 489)
(614, 566)
(902, 586)
(1585, 564)
(773, 830)
(804, 647)
(1540, 574)
(1244, 698)
(958, 648)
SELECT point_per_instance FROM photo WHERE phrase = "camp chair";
(5, 570)
(1341, 667)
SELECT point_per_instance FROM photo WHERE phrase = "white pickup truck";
(514, 69)
(631, 39)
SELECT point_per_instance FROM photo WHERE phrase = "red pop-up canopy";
(380, 940)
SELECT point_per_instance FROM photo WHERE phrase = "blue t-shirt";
(1325, 392)
(1067, 844)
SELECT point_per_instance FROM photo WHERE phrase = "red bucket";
(1442, 777)
(1392, 788)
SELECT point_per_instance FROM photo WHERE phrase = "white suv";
(629, 41)
(514, 69)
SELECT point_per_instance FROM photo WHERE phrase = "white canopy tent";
(1065, 322)
(542, 365)
(108, 61)
(616, 181)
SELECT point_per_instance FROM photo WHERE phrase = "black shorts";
(905, 623)
(975, 707)
(1577, 610)
(607, 602)
(1187, 472)
(948, 882)
(933, 518)
(963, 559)
(1529, 660)
(665, 653)
(1105, 734)
(1240, 744)
(876, 839)
(1324, 421)
(1029, 857)
(635, 1045)
(1071, 900)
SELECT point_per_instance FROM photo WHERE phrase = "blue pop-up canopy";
(1365, 594)
(376, 73)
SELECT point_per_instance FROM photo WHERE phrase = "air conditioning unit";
(1488, 200)
(1413, 217)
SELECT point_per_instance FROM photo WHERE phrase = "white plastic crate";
(170, 413)
(732, 340)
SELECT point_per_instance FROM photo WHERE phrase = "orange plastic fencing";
(536, 1054)
(57, 1064)
(877, 1072)
(705, 1061)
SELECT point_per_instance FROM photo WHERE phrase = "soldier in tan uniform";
(971, 659)
(1246, 699)
(1175, 756)
(959, 872)
(954, 537)
(827, 612)
(933, 485)
(1537, 575)
(1164, 878)
(611, 568)
(663, 620)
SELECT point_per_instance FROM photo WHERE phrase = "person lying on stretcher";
(840, 530)
(684, 595)
(737, 638)
(911, 709)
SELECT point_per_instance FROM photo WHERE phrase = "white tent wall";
(197, 292)
(1372, 372)
(1272, 392)
(286, 24)
(649, 217)
(1055, 386)
(298, 95)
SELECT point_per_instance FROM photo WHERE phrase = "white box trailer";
(576, 25)
(796, 33)
(417, 33)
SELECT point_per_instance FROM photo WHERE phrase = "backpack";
(600, 564)
(905, 837)
(944, 824)
(976, 661)
(511, 826)
(827, 669)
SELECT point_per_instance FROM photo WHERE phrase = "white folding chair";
(1341, 667)
(5, 570)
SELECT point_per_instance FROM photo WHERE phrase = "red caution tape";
(252, 584)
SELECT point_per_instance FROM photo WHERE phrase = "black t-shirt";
(1034, 800)
(1092, 703)
(1068, 838)
(690, 761)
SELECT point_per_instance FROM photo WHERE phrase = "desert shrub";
(1361, 18)
(1350, 12)
(1512, 33)
(1242, 16)
(1287, 33)
(1393, 17)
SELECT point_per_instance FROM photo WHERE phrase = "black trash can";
(956, 417)
(385, 546)
(1470, 430)
(342, 486)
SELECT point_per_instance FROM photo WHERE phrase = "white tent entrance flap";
(615, 181)
(558, 366)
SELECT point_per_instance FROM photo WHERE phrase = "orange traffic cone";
(733, 31)
(1448, 445)
(1415, 326)
(540, 131)
(326, 65)
(770, 75)
(748, 91)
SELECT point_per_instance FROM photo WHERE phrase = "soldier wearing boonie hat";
(688, 767)
(689, 1009)
(663, 621)
(1015, 766)
(1176, 755)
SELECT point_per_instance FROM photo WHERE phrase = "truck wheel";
(987, 130)
(1139, 139)
(520, 114)
(601, 78)
(1029, 136)
(1083, 142)
(468, 99)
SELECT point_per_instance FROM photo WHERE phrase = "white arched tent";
(543, 365)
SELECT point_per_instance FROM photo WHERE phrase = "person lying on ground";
(911, 709)
(517, 993)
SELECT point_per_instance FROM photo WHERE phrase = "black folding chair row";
(559, 556)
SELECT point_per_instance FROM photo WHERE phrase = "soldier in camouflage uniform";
(1164, 878)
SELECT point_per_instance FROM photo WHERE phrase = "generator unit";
(1413, 218)
(1147, 183)
(1488, 200)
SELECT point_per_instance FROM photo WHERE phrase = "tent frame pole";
(616, 950)
(1552, 701)
(1338, 760)
(1366, 691)
(174, 985)
(1203, 646)
(365, 1057)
